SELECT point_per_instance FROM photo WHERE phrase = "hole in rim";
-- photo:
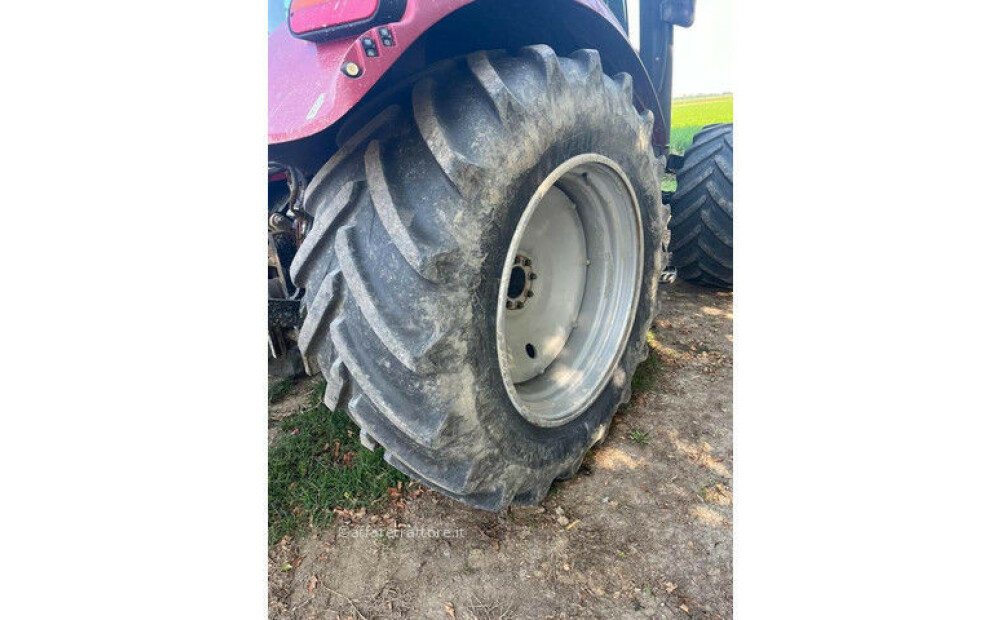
(518, 279)
(530, 350)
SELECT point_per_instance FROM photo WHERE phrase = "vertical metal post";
(656, 50)
(664, 90)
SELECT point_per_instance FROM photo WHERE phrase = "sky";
(703, 53)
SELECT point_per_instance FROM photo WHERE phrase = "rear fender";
(309, 93)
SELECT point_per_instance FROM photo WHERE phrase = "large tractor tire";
(702, 226)
(482, 270)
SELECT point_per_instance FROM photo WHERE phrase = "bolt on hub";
(522, 279)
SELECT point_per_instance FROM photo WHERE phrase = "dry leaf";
(670, 587)
(311, 586)
(450, 608)
(684, 608)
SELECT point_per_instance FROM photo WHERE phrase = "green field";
(689, 115)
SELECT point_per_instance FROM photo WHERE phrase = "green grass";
(309, 475)
(701, 111)
(640, 437)
(681, 137)
(648, 371)
(277, 390)
(688, 116)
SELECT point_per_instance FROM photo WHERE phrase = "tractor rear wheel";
(482, 270)
(701, 243)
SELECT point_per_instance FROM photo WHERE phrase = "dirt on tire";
(643, 531)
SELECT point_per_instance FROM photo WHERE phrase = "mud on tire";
(702, 224)
(401, 269)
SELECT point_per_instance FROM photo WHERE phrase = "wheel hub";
(569, 289)
(522, 278)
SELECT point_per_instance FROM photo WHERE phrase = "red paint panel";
(307, 92)
(310, 15)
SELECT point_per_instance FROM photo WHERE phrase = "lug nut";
(519, 305)
(527, 262)
(510, 305)
(529, 294)
(532, 276)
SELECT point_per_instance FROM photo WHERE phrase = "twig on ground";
(346, 598)
(502, 611)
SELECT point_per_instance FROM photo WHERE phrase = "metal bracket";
(281, 250)
(669, 275)
(677, 12)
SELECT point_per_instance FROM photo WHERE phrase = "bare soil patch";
(644, 531)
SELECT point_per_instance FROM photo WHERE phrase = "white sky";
(703, 53)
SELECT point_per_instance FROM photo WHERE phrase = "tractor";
(466, 227)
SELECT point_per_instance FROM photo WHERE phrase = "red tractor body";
(316, 76)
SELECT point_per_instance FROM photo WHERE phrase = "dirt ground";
(644, 531)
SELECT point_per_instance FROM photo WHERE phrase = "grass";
(648, 371)
(688, 116)
(640, 437)
(279, 389)
(316, 465)
(701, 111)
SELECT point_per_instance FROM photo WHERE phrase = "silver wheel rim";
(569, 290)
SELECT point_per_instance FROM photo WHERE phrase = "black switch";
(386, 37)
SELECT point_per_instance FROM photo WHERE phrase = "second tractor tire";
(701, 243)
